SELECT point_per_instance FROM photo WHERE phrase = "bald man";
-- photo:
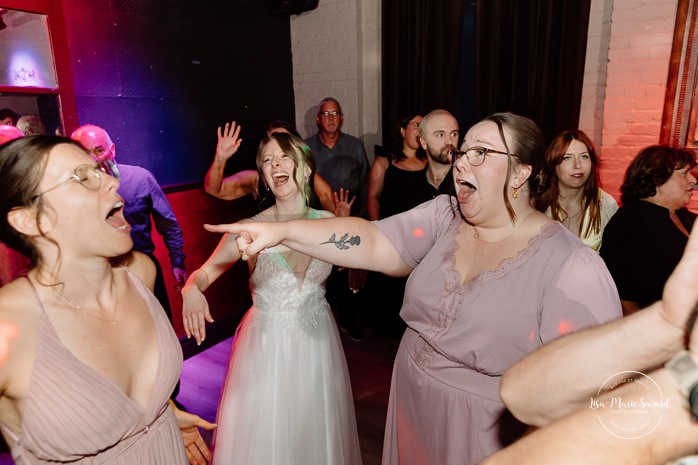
(143, 199)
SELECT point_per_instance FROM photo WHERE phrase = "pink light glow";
(564, 327)
(8, 331)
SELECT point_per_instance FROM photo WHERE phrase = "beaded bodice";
(279, 296)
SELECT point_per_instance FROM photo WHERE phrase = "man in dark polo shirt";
(341, 160)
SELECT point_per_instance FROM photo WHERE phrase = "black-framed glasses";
(330, 113)
(88, 176)
(474, 155)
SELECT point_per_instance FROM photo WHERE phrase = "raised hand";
(342, 204)
(228, 141)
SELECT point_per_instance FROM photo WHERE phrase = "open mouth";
(115, 217)
(465, 191)
(280, 178)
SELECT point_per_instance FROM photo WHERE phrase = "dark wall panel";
(161, 75)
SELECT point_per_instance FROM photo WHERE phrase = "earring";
(515, 193)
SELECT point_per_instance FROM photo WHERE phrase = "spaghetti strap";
(8, 431)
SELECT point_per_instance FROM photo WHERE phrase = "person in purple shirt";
(144, 199)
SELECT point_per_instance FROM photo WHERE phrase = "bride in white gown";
(287, 397)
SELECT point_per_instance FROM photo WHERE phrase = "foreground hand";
(681, 290)
(228, 141)
(253, 237)
(195, 313)
(342, 204)
(189, 424)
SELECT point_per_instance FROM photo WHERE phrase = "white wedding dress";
(287, 397)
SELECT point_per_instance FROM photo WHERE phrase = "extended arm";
(580, 438)
(376, 178)
(561, 376)
(351, 242)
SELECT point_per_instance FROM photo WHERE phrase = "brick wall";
(622, 104)
(336, 53)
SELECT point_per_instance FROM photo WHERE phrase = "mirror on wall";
(28, 71)
(45, 106)
(26, 59)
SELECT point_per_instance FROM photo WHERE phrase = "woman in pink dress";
(88, 359)
(490, 280)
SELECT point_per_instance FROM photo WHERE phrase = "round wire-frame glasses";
(88, 176)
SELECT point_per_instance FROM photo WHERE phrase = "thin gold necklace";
(477, 235)
(85, 312)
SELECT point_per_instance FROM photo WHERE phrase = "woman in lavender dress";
(491, 279)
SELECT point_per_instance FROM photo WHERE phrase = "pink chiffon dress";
(75, 415)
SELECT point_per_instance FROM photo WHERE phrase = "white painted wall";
(336, 53)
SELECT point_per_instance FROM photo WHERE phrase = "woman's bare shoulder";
(324, 214)
(18, 301)
(20, 315)
(140, 265)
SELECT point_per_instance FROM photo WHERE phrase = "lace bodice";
(277, 294)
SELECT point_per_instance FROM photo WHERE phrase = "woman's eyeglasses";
(474, 155)
(88, 176)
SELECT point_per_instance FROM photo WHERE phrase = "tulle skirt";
(287, 397)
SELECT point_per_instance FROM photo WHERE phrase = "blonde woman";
(287, 397)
